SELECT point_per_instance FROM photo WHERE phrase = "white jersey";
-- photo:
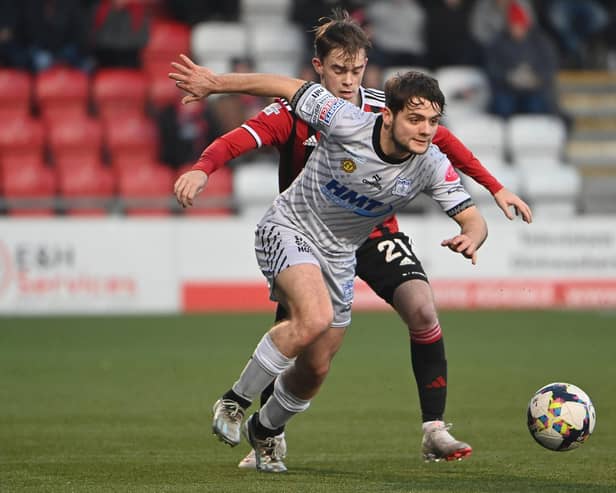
(348, 185)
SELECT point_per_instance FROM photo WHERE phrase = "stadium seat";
(162, 92)
(217, 198)
(536, 136)
(118, 92)
(215, 44)
(146, 190)
(73, 139)
(265, 11)
(130, 140)
(482, 133)
(255, 186)
(85, 190)
(552, 186)
(466, 88)
(28, 186)
(276, 50)
(166, 41)
(62, 93)
(21, 137)
(15, 93)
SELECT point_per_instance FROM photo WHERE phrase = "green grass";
(122, 405)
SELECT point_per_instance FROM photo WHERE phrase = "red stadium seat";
(62, 92)
(163, 92)
(167, 40)
(86, 189)
(118, 92)
(15, 93)
(74, 139)
(28, 180)
(130, 140)
(146, 190)
(217, 198)
(21, 137)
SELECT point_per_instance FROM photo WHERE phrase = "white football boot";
(438, 444)
(227, 421)
(268, 454)
(250, 461)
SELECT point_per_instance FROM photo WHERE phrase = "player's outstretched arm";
(473, 232)
(199, 82)
(188, 186)
(507, 200)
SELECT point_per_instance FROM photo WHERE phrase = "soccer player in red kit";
(386, 261)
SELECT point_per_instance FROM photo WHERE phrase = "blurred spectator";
(193, 12)
(488, 18)
(451, 17)
(576, 23)
(12, 51)
(521, 64)
(120, 30)
(55, 33)
(398, 32)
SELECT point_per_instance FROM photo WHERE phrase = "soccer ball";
(560, 416)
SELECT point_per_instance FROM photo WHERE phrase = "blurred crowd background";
(90, 123)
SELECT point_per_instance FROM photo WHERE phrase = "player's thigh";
(302, 289)
(387, 262)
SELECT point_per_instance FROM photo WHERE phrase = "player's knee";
(423, 318)
(313, 325)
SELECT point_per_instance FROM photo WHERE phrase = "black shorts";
(386, 262)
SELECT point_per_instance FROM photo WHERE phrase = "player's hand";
(506, 199)
(194, 79)
(462, 244)
(188, 186)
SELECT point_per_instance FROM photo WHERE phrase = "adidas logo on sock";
(438, 383)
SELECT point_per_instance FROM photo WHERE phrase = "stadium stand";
(72, 141)
(131, 141)
(267, 12)
(15, 93)
(28, 186)
(146, 189)
(62, 93)
(118, 92)
(216, 43)
(256, 186)
(167, 40)
(87, 189)
(466, 88)
(276, 50)
(21, 137)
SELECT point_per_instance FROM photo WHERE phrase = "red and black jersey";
(277, 125)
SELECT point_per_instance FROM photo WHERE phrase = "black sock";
(267, 392)
(430, 369)
(245, 404)
(261, 431)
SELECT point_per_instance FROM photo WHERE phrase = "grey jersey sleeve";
(326, 113)
(446, 187)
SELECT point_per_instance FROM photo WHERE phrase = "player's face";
(342, 75)
(411, 130)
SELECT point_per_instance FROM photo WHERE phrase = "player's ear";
(388, 117)
(317, 65)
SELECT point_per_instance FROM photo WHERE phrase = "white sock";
(266, 363)
(281, 407)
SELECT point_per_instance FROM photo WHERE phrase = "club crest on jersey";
(346, 198)
(348, 165)
(402, 187)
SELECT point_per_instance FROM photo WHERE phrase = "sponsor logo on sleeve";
(451, 174)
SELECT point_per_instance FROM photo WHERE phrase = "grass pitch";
(122, 404)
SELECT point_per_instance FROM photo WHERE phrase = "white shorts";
(278, 247)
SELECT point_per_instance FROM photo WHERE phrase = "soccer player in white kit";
(365, 167)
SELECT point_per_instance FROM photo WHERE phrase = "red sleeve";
(270, 127)
(464, 160)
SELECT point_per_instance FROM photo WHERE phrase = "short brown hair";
(402, 90)
(339, 31)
